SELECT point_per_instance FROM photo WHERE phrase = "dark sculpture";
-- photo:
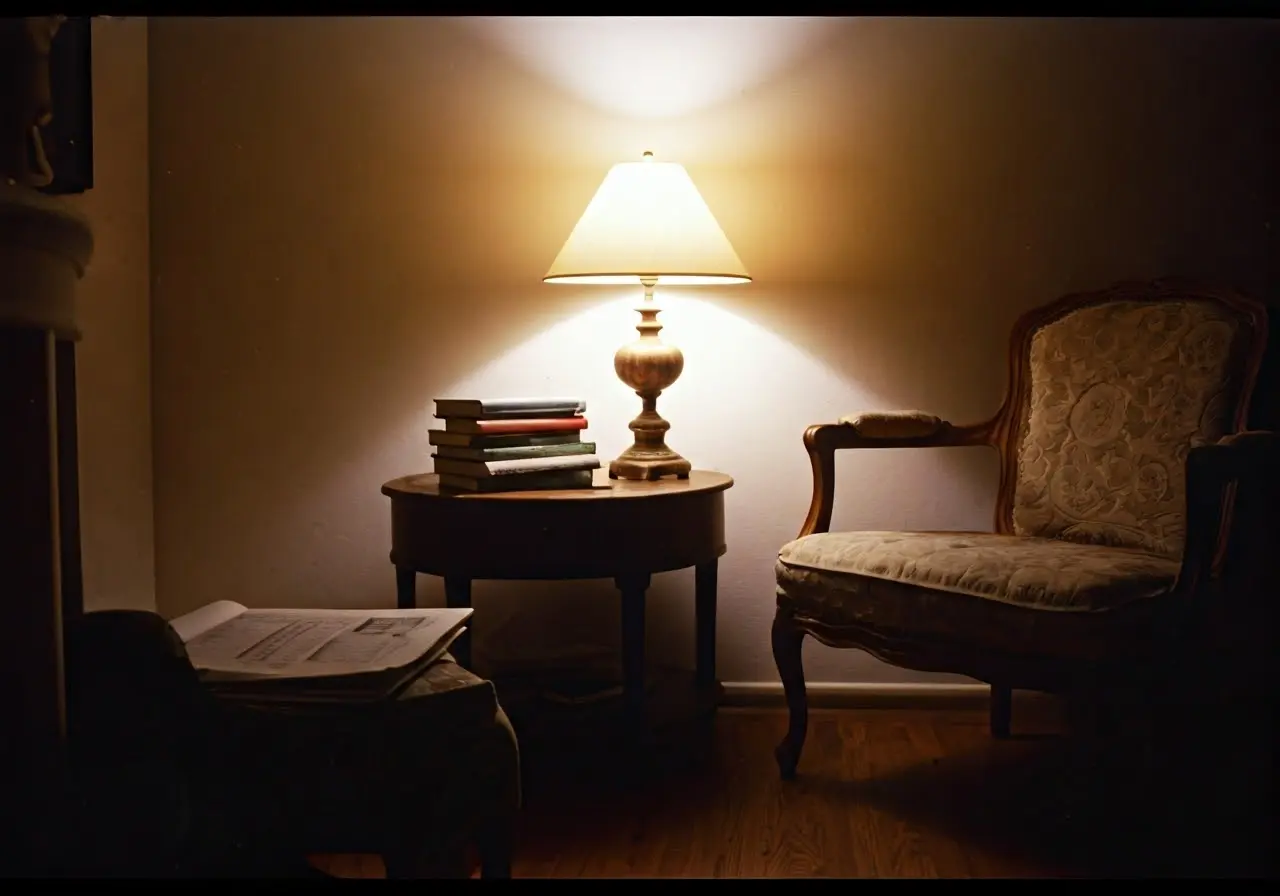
(27, 103)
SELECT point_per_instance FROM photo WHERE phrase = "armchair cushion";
(1034, 595)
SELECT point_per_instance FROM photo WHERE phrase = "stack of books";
(512, 444)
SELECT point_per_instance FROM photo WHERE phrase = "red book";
(512, 426)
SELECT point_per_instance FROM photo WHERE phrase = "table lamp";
(648, 223)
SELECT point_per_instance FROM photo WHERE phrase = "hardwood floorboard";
(881, 793)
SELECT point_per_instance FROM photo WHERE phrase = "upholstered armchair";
(1120, 451)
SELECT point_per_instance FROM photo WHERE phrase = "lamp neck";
(648, 326)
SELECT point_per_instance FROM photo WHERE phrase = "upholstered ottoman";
(418, 779)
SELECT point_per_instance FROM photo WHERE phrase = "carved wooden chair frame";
(1210, 474)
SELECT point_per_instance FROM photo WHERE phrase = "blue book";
(506, 408)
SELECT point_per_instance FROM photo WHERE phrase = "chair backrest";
(1108, 392)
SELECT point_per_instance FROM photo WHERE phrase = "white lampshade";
(647, 220)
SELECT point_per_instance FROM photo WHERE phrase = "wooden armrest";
(1233, 487)
(898, 429)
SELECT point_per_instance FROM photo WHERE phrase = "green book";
(515, 452)
(440, 437)
(518, 482)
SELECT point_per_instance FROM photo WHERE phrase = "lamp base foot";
(648, 464)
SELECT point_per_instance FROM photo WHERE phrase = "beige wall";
(351, 217)
(114, 358)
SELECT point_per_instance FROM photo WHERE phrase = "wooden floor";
(881, 793)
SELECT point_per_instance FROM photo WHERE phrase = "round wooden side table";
(620, 529)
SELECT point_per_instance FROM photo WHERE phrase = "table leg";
(633, 588)
(406, 592)
(457, 594)
(705, 622)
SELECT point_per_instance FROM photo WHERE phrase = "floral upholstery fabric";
(1119, 394)
(1043, 573)
(1020, 594)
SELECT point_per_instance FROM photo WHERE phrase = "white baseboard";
(868, 695)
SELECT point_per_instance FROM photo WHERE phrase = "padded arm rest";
(893, 424)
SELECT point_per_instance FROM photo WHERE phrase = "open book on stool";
(314, 655)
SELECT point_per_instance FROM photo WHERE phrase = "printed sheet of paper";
(305, 643)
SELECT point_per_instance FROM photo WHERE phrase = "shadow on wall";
(352, 216)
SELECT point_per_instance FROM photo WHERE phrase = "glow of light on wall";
(653, 67)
